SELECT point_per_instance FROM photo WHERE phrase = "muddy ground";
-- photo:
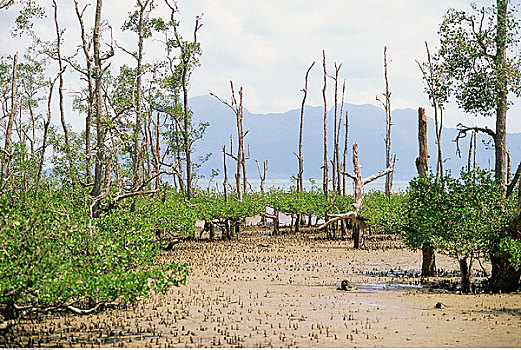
(264, 291)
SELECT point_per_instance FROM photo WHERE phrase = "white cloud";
(266, 47)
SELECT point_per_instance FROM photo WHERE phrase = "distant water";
(286, 184)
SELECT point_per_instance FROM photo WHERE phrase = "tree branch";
(462, 133)
(377, 175)
(512, 184)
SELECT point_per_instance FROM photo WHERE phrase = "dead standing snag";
(359, 197)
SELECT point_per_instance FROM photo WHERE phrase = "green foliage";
(468, 56)
(460, 217)
(513, 249)
(51, 259)
(307, 202)
(388, 214)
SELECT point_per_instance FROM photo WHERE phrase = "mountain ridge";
(274, 137)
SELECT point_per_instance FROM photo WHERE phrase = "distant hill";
(275, 137)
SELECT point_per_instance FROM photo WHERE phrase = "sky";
(266, 47)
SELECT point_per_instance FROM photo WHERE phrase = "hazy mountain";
(275, 137)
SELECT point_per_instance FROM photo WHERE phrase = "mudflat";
(282, 291)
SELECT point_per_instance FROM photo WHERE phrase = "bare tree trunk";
(44, 137)
(225, 183)
(6, 155)
(340, 176)
(60, 83)
(90, 89)
(336, 136)
(237, 108)
(262, 174)
(344, 183)
(300, 181)
(137, 151)
(98, 112)
(358, 196)
(428, 262)
(509, 167)
(422, 160)
(325, 177)
(388, 124)
(438, 109)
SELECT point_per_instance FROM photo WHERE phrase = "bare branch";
(462, 133)
(512, 184)
(336, 217)
(377, 175)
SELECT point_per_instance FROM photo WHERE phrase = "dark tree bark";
(502, 98)
(465, 274)
(429, 258)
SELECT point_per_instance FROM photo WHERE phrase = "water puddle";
(386, 286)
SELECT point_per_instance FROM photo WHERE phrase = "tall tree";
(139, 23)
(475, 49)
(422, 165)
(189, 59)
(238, 110)
(336, 135)
(325, 176)
(98, 113)
(438, 88)
(6, 152)
(300, 181)
(388, 125)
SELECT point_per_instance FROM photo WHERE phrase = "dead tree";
(325, 177)
(388, 123)
(46, 125)
(434, 81)
(341, 166)
(6, 154)
(336, 135)
(237, 108)
(225, 170)
(360, 182)
(300, 181)
(346, 139)
(422, 164)
(262, 174)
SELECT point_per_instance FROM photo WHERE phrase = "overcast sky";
(266, 47)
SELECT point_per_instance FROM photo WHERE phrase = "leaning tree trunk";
(429, 258)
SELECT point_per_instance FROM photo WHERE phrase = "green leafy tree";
(463, 219)
(479, 55)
